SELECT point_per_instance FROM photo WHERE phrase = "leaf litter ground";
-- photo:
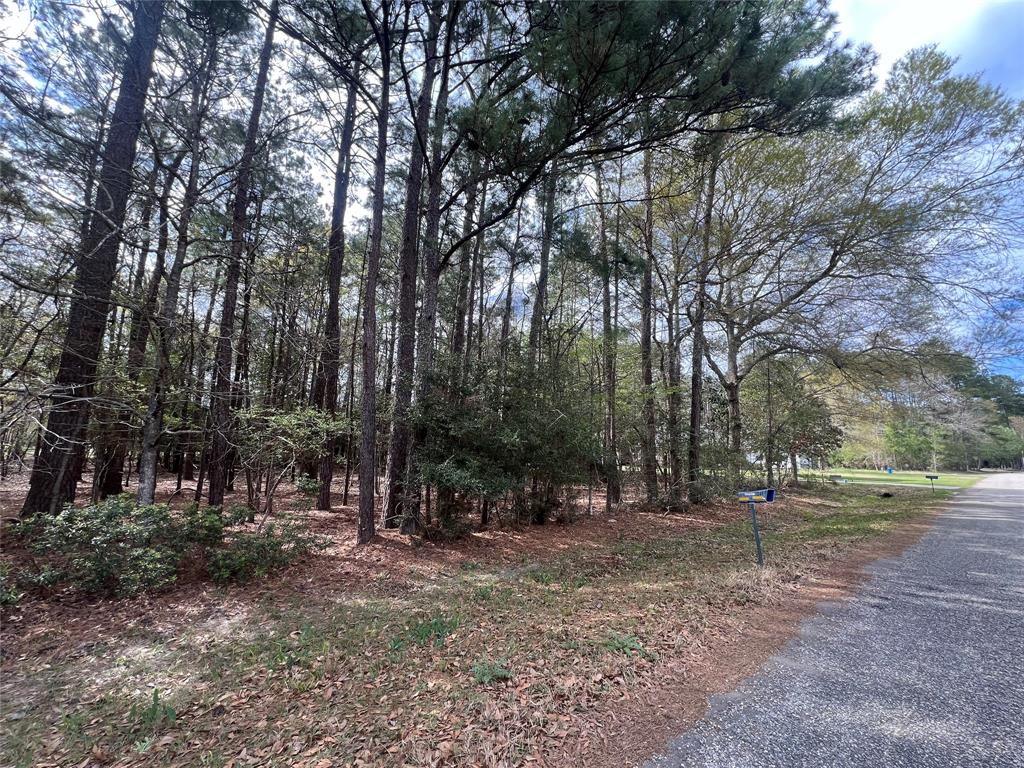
(579, 644)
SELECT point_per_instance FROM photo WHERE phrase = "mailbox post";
(932, 479)
(751, 499)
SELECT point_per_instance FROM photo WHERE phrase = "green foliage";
(204, 525)
(251, 556)
(120, 549)
(433, 630)
(114, 547)
(274, 438)
(9, 592)
(155, 714)
(909, 444)
(478, 448)
(940, 410)
(487, 672)
(576, 245)
(307, 486)
(219, 17)
(41, 579)
(12, 196)
(784, 416)
(629, 645)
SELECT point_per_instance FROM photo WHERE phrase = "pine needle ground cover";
(507, 648)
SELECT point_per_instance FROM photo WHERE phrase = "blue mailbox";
(752, 499)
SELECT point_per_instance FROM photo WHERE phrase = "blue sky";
(987, 35)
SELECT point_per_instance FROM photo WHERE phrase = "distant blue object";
(889, 470)
(751, 498)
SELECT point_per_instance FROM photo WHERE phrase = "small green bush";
(154, 714)
(44, 578)
(203, 525)
(249, 556)
(118, 548)
(235, 514)
(307, 486)
(629, 645)
(9, 592)
(114, 547)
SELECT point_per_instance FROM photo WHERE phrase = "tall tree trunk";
(649, 447)
(330, 363)
(547, 203)
(408, 262)
(220, 391)
(111, 455)
(769, 458)
(697, 321)
(476, 288)
(55, 473)
(431, 269)
(240, 394)
(613, 485)
(202, 366)
(138, 333)
(368, 440)
(731, 385)
(673, 427)
(166, 320)
(350, 387)
(465, 276)
(506, 320)
(145, 232)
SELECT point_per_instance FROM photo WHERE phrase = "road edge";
(641, 725)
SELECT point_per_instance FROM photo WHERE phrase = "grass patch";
(877, 477)
(154, 714)
(628, 645)
(433, 630)
(487, 672)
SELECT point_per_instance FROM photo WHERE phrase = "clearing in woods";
(946, 480)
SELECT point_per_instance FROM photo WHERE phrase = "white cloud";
(893, 27)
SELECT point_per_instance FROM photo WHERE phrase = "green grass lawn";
(954, 479)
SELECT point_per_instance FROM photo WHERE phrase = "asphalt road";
(924, 666)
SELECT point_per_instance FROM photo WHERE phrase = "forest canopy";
(458, 261)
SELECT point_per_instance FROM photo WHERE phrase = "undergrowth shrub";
(250, 556)
(118, 548)
(205, 525)
(112, 548)
(307, 486)
(9, 592)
